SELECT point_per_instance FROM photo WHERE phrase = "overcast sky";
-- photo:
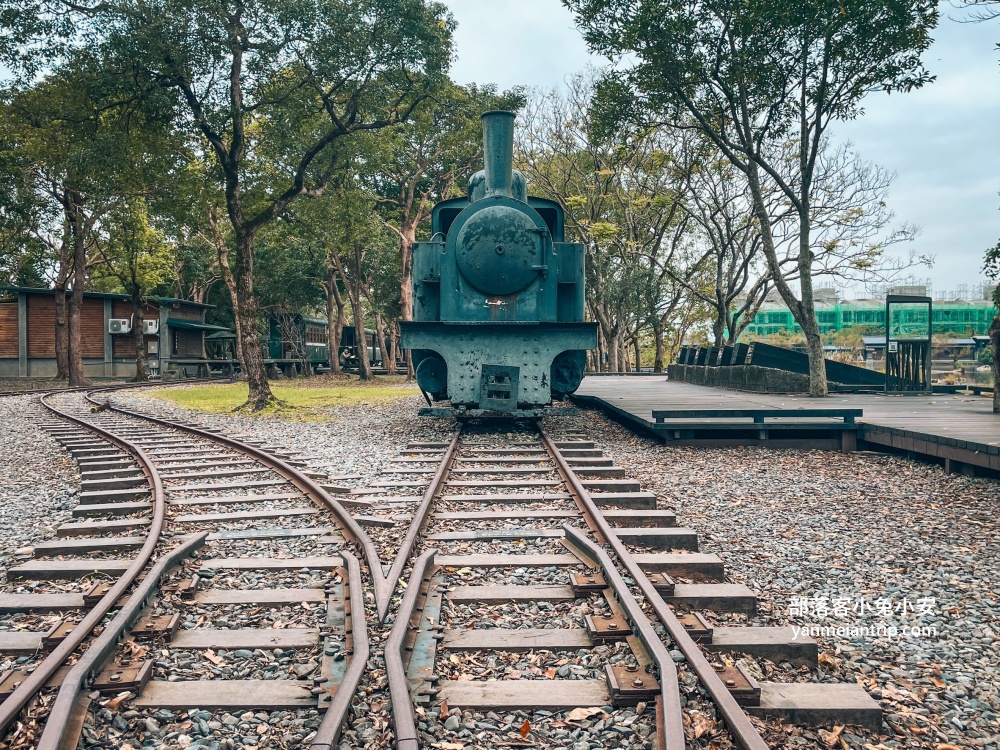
(941, 141)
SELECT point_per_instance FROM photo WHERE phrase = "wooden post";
(109, 343)
(22, 335)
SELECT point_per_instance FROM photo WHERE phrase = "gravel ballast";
(817, 535)
(856, 530)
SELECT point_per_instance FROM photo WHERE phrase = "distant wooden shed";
(175, 340)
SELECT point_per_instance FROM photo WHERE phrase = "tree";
(138, 258)
(621, 198)
(266, 87)
(79, 161)
(424, 160)
(756, 73)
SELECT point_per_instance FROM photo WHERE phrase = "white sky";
(940, 141)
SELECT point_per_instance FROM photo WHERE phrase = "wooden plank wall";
(42, 331)
(42, 326)
(187, 312)
(187, 343)
(8, 329)
(92, 328)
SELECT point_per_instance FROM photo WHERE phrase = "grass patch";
(310, 399)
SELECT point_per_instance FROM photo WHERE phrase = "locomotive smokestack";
(498, 152)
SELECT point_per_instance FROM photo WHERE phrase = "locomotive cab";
(499, 306)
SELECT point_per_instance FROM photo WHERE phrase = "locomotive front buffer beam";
(502, 369)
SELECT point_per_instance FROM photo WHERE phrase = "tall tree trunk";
(995, 345)
(230, 282)
(138, 337)
(360, 339)
(407, 236)
(259, 395)
(638, 353)
(658, 361)
(614, 349)
(61, 332)
(76, 373)
(334, 318)
(380, 334)
(393, 349)
(719, 331)
(803, 311)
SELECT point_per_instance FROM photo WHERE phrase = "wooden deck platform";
(960, 431)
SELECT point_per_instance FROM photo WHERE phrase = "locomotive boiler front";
(498, 323)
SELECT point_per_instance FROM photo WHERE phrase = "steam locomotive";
(498, 323)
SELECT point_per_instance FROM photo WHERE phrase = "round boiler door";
(499, 250)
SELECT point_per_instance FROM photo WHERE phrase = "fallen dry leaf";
(578, 714)
(831, 738)
(701, 724)
(525, 728)
(210, 655)
(444, 710)
(115, 702)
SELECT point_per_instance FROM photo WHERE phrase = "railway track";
(208, 508)
(518, 585)
(454, 642)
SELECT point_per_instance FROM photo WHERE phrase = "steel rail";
(670, 694)
(59, 729)
(403, 717)
(419, 520)
(740, 727)
(16, 701)
(336, 713)
(382, 593)
(108, 386)
(562, 468)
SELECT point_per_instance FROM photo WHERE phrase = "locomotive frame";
(499, 321)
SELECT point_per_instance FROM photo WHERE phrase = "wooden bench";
(680, 424)
(758, 415)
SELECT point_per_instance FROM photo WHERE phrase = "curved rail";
(35, 681)
(404, 720)
(743, 731)
(670, 692)
(382, 593)
(336, 714)
(419, 519)
(108, 386)
(59, 727)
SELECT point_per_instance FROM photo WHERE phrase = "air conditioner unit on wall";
(119, 325)
(150, 327)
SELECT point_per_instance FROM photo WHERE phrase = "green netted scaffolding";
(958, 317)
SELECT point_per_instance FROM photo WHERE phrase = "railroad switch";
(741, 685)
(57, 634)
(162, 626)
(585, 584)
(123, 675)
(630, 685)
(663, 584)
(696, 626)
(608, 628)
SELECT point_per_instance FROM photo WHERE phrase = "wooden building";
(175, 338)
